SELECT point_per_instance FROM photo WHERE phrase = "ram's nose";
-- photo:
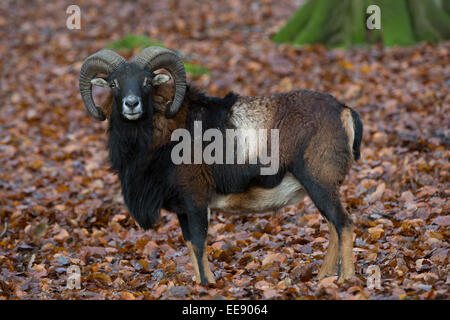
(132, 101)
(132, 107)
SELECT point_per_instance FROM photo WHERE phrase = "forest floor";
(60, 206)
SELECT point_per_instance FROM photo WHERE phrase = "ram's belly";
(256, 199)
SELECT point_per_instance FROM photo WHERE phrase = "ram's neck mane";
(196, 106)
(128, 143)
(140, 177)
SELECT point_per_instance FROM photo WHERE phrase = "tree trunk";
(343, 23)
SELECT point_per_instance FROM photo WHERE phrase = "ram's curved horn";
(104, 61)
(153, 58)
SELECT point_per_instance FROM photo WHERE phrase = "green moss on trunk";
(395, 23)
(295, 23)
(314, 31)
(343, 23)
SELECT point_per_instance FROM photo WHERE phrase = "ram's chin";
(132, 116)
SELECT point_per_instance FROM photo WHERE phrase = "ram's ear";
(100, 82)
(160, 78)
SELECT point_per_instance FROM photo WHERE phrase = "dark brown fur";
(318, 140)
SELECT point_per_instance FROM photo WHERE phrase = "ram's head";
(132, 83)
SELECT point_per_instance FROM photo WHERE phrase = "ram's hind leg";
(346, 268)
(341, 231)
(331, 258)
(325, 196)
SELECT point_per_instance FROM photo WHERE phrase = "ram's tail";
(354, 129)
(358, 127)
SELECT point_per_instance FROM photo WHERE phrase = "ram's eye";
(112, 84)
(147, 82)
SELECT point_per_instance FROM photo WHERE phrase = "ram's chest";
(257, 199)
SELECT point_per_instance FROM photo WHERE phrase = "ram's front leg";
(194, 226)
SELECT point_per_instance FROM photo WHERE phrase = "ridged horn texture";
(104, 61)
(153, 58)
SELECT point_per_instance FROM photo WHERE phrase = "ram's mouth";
(132, 115)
